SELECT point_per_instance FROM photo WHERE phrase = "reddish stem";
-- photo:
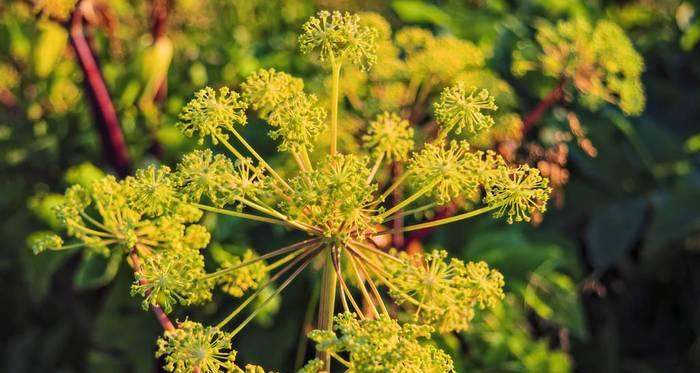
(106, 119)
(545, 104)
(160, 314)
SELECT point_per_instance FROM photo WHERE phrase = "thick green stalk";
(326, 307)
(334, 106)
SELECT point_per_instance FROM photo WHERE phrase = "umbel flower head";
(201, 173)
(443, 293)
(518, 192)
(382, 345)
(446, 172)
(339, 37)
(152, 189)
(599, 60)
(460, 109)
(333, 196)
(389, 136)
(209, 113)
(43, 241)
(298, 122)
(237, 282)
(266, 89)
(172, 276)
(193, 347)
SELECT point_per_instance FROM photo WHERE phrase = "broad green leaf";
(613, 230)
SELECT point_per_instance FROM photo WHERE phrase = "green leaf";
(420, 12)
(613, 231)
(48, 48)
(675, 214)
(96, 271)
(554, 297)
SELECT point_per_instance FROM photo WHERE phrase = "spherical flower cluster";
(172, 276)
(298, 122)
(461, 108)
(389, 136)
(44, 241)
(599, 60)
(442, 293)
(266, 89)
(201, 173)
(382, 345)
(454, 56)
(193, 347)
(333, 196)
(518, 192)
(152, 190)
(240, 280)
(339, 37)
(447, 172)
(209, 114)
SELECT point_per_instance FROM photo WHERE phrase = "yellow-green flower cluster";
(209, 114)
(240, 280)
(389, 136)
(517, 192)
(143, 214)
(44, 241)
(152, 189)
(267, 88)
(172, 276)
(201, 173)
(333, 196)
(280, 100)
(339, 37)
(461, 108)
(446, 172)
(443, 293)
(298, 122)
(58, 10)
(381, 345)
(192, 347)
(600, 61)
(439, 59)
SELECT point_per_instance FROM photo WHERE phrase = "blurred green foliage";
(607, 283)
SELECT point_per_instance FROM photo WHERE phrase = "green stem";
(231, 148)
(435, 223)
(393, 186)
(306, 159)
(377, 163)
(297, 246)
(411, 211)
(241, 215)
(265, 285)
(268, 299)
(409, 200)
(326, 307)
(334, 104)
(371, 283)
(363, 288)
(260, 159)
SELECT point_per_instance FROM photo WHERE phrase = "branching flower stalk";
(338, 202)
